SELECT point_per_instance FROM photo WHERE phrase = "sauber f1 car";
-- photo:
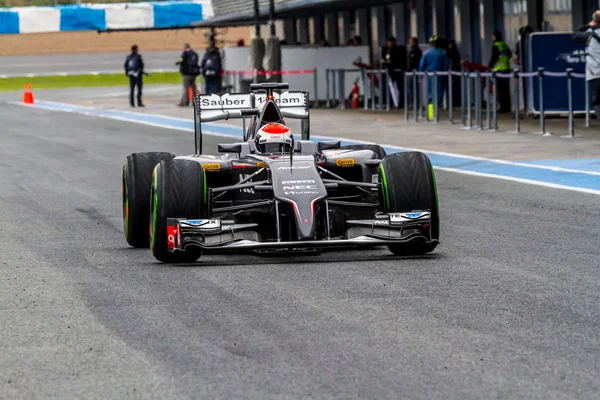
(274, 191)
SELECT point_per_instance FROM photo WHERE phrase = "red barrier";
(288, 72)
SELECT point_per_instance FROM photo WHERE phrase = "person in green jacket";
(500, 62)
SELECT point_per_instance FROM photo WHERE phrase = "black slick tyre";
(408, 184)
(136, 182)
(375, 148)
(178, 191)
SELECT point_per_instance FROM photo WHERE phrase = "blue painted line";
(544, 175)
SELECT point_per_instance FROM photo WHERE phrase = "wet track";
(508, 306)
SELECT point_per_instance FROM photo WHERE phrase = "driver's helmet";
(274, 138)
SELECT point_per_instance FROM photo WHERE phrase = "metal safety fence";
(478, 95)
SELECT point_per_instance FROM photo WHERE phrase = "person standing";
(134, 69)
(589, 34)
(212, 70)
(394, 59)
(414, 60)
(435, 59)
(414, 54)
(500, 62)
(189, 70)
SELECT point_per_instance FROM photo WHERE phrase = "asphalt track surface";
(83, 63)
(507, 307)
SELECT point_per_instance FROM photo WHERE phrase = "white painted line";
(520, 180)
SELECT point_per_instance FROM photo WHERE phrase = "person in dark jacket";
(212, 69)
(394, 59)
(500, 62)
(414, 54)
(455, 65)
(134, 69)
(189, 70)
(590, 35)
(414, 60)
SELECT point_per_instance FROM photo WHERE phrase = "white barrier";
(102, 17)
(237, 59)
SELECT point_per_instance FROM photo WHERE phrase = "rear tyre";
(137, 178)
(178, 191)
(408, 184)
(375, 148)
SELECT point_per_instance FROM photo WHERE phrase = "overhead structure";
(237, 13)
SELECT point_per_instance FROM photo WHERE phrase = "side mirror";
(329, 145)
(230, 148)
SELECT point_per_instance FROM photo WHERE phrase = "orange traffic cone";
(191, 93)
(28, 95)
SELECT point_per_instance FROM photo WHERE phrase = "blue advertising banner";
(556, 52)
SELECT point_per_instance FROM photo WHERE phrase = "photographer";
(134, 69)
(589, 34)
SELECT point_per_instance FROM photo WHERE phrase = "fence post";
(388, 91)
(367, 88)
(374, 91)
(381, 90)
(405, 94)
(469, 90)
(517, 102)
(342, 93)
(450, 98)
(478, 94)
(316, 83)
(571, 134)
(587, 103)
(423, 87)
(488, 122)
(434, 97)
(415, 94)
(495, 100)
(334, 91)
(463, 97)
(542, 109)
(328, 88)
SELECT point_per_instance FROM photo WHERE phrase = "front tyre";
(408, 184)
(178, 191)
(136, 181)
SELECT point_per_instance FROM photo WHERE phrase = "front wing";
(215, 235)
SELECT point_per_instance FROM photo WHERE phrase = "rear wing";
(212, 107)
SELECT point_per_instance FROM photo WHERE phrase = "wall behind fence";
(101, 17)
(305, 58)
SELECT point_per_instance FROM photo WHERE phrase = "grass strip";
(87, 80)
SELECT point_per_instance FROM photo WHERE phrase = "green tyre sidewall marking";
(154, 205)
(126, 214)
(437, 202)
(385, 186)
